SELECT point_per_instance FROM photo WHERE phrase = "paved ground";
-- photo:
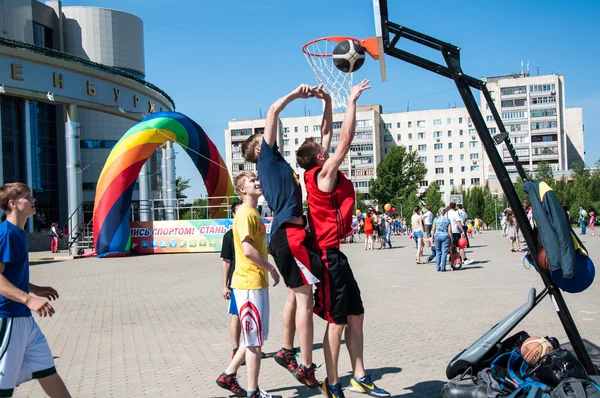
(156, 326)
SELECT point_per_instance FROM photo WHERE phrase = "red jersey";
(329, 213)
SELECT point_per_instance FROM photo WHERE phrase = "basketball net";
(336, 83)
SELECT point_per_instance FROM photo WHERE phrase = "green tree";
(475, 203)
(433, 197)
(544, 173)
(489, 212)
(398, 177)
(360, 202)
(198, 210)
(181, 184)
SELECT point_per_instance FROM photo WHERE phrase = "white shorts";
(24, 353)
(253, 310)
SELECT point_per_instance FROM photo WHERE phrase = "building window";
(410, 136)
(97, 144)
(286, 153)
(423, 159)
(462, 145)
(489, 118)
(242, 132)
(422, 147)
(364, 123)
(462, 169)
(439, 158)
(423, 183)
(286, 142)
(399, 137)
(451, 170)
(421, 136)
(440, 182)
(542, 87)
(449, 133)
(472, 132)
(462, 156)
(492, 130)
(410, 148)
(386, 149)
(449, 145)
(460, 132)
(473, 144)
(306, 129)
(475, 168)
(387, 126)
(42, 36)
(514, 115)
(543, 100)
(285, 130)
(295, 129)
(421, 123)
(438, 146)
(543, 112)
(439, 170)
(474, 156)
(474, 181)
(398, 125)
(296, 141)
(316, 127)
(460, 120)
(451, 181)
(388, 138)
(513, 90)
(543, 125)
(437, 134)
(337, 125)
(409, 124)
(437, 122)
(450, 157)
(513, 103)
(449, 121)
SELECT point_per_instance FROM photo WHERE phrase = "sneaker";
(306, 376)
(230, 383)
(332, 391)
(366, 386)
(467, 262)
(287, 359)
(258, 393)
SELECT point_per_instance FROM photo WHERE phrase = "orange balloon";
(358, 212)
(387, 207)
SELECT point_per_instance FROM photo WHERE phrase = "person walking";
(442, 238)
(427, 222)
(53, 233)
(417, 231)
(582, 213)
(369, 244)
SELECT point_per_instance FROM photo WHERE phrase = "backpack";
(578, 388)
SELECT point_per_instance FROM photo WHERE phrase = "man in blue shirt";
(24, 351)
(289, 243)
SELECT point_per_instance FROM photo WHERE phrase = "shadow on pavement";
(423, 389)
(466, 268)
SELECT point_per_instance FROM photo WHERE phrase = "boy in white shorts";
(250, 287)
(24, 351)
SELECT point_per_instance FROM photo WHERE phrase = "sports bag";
(578, 388)
(559, 365)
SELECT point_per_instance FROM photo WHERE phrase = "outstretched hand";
(358, 89)
(318, 92)
(304, 91)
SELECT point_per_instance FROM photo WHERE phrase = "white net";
(335, 82)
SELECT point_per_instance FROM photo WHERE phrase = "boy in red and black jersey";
(337, 298)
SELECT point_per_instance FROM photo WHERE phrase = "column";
(144, 193)
(170, 180)
(74, 188)
(28, 157)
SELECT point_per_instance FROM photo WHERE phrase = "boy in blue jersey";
(299, 267)
(24, 351)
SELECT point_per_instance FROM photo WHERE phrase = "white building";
(532, 109)
(69, 64)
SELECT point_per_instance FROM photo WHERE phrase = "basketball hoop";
(319, 54)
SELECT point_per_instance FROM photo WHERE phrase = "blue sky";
(223, 60)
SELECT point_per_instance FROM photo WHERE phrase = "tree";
(199, 210)
(360, 202)
(398, 177)
(181, 184)
(433, 197)
(544, 173)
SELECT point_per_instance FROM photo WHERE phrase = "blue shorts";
(232, 304)
(418, 234)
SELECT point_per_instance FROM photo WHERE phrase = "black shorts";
(297, 264)
(337, 295)
(455, 238)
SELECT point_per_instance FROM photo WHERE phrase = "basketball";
(542, 261)
(348, 56)
(462, 243)
(534, 348)
(387, 207)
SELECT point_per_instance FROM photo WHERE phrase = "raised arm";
(302, 91)
(327, 176)
(327, 123)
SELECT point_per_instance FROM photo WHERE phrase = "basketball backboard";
(380, 12)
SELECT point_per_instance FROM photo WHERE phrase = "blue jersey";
(280, 185)
(15, 256)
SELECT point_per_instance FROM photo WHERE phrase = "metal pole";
(73, 176)
(496, 212)
(170, 180)
(144, 193)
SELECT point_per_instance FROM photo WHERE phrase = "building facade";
(69, 75)
(532, 110)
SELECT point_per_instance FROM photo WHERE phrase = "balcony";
(364, 129)
(549, 130)
(239, 138)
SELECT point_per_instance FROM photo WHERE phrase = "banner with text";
(181, 236)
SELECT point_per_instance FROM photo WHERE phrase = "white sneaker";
(467, 262)
(261, 394)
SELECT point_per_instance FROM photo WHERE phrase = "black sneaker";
(335, 391)
(287, 359)
(258, 393)
(306, 376)
(230, 383)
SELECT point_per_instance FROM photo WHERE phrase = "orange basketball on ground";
(542, 261)
(534, 348)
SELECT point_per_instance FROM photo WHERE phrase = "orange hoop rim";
(370, 45)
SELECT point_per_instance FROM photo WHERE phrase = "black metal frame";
(463, 82)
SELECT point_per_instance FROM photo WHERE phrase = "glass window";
(475, 168)
(424, 159)
(473, 144)
(410, 148)
(513, 90)
(439, 182)
(388, 138)
(492, 130)
(364, 123)
(423, 183)
(450, 157)
(472, 132)
(438, 146)
(286, 153)
(421, 136)
(462, 169)
(489, 118)
(399, 137)
(410, 136)
(462, 156)
(460, 132)
(451, 170)
(475, 181)
(460, 120)
(421, 123)
(242, 132)
(474, 156)
(422, 147)
(295, 129)
(437, 134)
(449, 145)
(451, 181)
(439, 170)
(449, 133)
(337, 125)
(285, 130)
(542, 87)
(316, 127)
(462, 145)
(398, 125)
(42, 36)
(387, 126)
(449, 121)
(306, 129)
(437, 122)
(543, 112)
(296, 141)
(409, 124)
(439, 158)
(97, 144)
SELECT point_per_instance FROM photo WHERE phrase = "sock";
(250, 392)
